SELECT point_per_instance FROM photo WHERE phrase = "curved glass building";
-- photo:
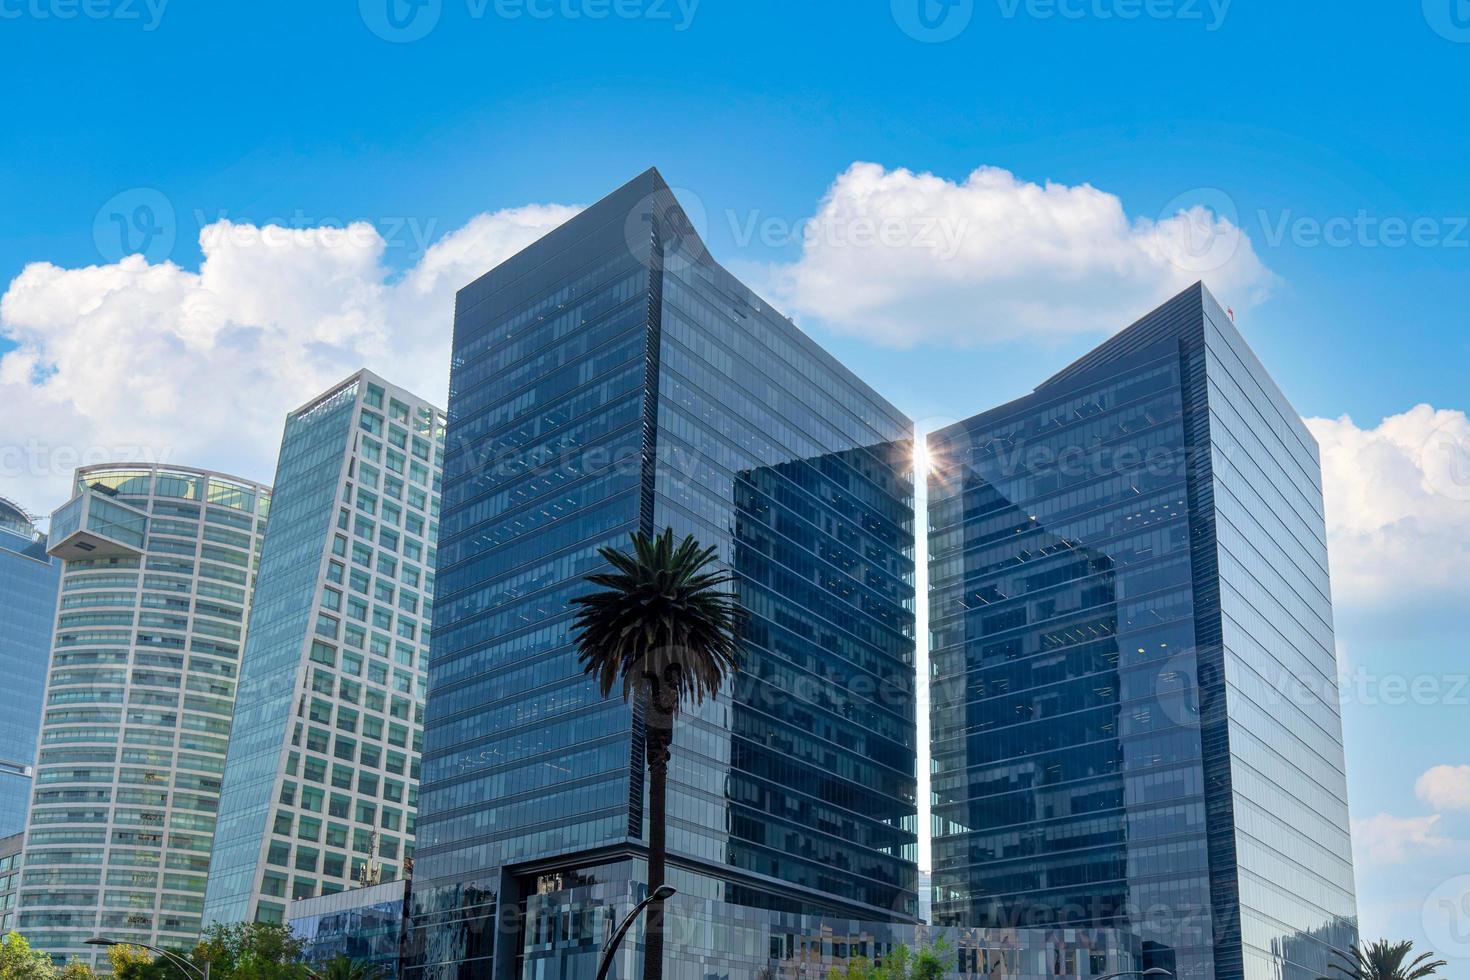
(28, 578)
(158, 564)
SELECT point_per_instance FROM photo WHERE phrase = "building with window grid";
(28, 581)
(158, 564)
(9, 879)
(612, 378)
(1136, 720)
(321, 782)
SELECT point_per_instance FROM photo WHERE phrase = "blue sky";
(1286, 118)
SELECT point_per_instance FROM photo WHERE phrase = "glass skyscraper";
(10, 848)
(1135, 716)
(612, 378)
(321, 780)
(28, 583)
(158, 566)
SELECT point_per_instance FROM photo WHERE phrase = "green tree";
(901, 963)
(1383, 960)
(347, 968)
(77, 970)
(662, 624)
(19, 962)
(131, 963)
(250, 951)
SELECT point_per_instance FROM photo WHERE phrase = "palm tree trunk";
(658, 740)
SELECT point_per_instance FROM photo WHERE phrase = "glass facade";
(566, 920)
(10, 850)
(28, 583)
(321, 780)
(362, 924)
(612, 378)
(158, 566)
(1135, 716)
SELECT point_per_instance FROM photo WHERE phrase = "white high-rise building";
(322, 777)
(158, 567)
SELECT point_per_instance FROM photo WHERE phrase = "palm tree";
(347, 968)
(1383, 960)
(664, 625)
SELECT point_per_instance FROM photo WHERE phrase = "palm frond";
(660, 620)
(1384, 960)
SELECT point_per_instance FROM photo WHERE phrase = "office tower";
(157, 569)
(28, 582)
(1135, 713)
(10, 848)
(612, 378)
(321, 779)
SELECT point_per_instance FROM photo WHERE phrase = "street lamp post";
(1152, 971)
(610, 947)
(188, 967)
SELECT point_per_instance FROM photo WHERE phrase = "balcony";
(94, 525)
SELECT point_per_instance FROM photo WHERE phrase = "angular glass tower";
(158, 566)
(612, 378)
(28, 583)
(321, 780)
(1135, 715)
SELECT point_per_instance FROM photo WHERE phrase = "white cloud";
(1386, 839)
(1398, 505)
(157, 362)
(1445, 787)
(905, 258)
